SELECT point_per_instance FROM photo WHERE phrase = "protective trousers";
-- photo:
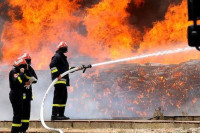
(16, 101)
(26, 110)
(59, 100)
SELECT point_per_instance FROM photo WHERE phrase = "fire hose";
(45, 95)
(160, 53)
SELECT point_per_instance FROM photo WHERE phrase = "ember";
(129, 90)
(125, 91)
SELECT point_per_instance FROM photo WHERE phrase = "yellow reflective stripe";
(27, 76)
(60, 82)
(25, 121)
(16, 125)
(59, 105)
(32, 97)
(20, 80)
(55, 70)
(24, 95)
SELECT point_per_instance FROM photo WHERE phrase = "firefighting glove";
(27, 85)
(32, 80)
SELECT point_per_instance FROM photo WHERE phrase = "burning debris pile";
(132, 90)
(121, 91)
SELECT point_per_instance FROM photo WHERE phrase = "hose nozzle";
(86, 66)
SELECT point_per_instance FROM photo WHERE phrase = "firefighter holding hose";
(59, 65)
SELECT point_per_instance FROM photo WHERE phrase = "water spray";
(167, 52)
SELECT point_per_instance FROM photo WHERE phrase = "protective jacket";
(27, 93)
(59, 65)
(16, 80)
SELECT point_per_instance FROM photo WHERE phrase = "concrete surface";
(137, 126)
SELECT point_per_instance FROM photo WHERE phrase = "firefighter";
(30, 76)
(59, 65)
(17, 82)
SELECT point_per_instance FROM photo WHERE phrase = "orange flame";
(43, 24)
(194, 100)
(102, 31)
(168, 34)
(109, 30)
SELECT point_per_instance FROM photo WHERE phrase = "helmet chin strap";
(28, 61)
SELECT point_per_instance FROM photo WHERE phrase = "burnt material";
(133, 90)
(122, 91)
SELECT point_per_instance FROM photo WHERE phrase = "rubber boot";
(55, 114)
(61, 113)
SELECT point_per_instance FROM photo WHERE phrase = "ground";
(112, 130)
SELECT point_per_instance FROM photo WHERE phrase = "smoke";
(148, 12)
(87, 3)
(6, 9)
(120, 91)
(1, 28)
(6, 110)
(3, 18)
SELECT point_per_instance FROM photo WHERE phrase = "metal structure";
(194, 30)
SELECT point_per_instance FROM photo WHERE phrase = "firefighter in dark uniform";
(59, 65)
(17, 82)
(30, 76)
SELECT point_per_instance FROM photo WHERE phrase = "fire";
(100, 31)
(142, 114)
(171, 31)
(43, 24)
(194, 100)
(108, 28)
(169, 34)
(103, 31)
